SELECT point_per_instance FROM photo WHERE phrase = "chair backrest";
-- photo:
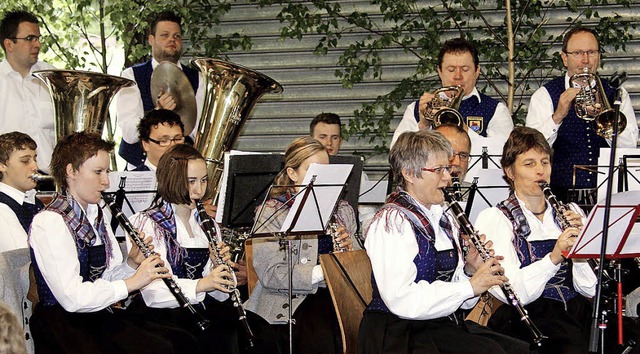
(252, 276)
(348, 276)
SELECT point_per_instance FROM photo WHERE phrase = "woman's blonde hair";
(298, 151)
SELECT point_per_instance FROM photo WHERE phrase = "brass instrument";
(37, 177)
(509, 293)
(591, 104)
(231, 91)
(443, 107)
(167, 77)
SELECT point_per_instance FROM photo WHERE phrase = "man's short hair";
(576, 30)
(460, 130)
(10, 142)
(156, 117)
(326, 118)
(458, 46)
(164, 16)
(11, 21)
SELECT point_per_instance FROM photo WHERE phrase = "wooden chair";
(348, 276)
(252, 276)
(483, 310)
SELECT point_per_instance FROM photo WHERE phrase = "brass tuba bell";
(591, 104)
(231, 91)
(443, 107)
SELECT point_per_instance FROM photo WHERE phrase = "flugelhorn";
(591, 104)
(443, 107)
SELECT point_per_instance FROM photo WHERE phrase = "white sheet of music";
(134, 182)
(633, 169)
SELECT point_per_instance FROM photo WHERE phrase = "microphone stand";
(599, 320)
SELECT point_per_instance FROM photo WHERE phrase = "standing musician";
(483, 116)
(79, 268)
(421, 277)
(552, 112)
(526, 231)
(165, 39)
(181, 242)
(316, 325)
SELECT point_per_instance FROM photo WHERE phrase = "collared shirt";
(539, 116)
(130, 109)
(529, 282)
(499, 126)
(26, 106)
(13, 234)
(55, 251)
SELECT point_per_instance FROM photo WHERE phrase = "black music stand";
(486, 190)
(137, 187)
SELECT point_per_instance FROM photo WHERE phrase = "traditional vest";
(24, 212)
(576, 144)
(133, 153)
(93, 259)
(476, 114)
(431, 265)
(558, 288)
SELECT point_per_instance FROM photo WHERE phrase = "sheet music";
(494, 149)
(134, 182)
(373, 192)
(492, 189)
(633, 165)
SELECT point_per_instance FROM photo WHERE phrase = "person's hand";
(219, 279)
(150, 269)
(343, 239)
(209, 208)
(489, 274)
(573, 218)
(423, 105)
(224, 252)
(563, 244)
(240, 269)
(166, 101)
(135, 256)
(474, 259)
(564, 104)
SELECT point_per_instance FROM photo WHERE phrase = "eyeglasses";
(167, 142)
(463, 156)
(31, 38)
(438, 170)
(580, 53)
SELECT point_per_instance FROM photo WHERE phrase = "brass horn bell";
(443, 107)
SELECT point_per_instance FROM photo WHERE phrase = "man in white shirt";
(483, 117)
(158, 131)
(165, 39)
(17, 204)
(25, 103)
(552, 112)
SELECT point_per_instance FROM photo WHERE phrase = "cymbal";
(168, 78)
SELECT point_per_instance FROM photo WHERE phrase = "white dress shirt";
(157, 294)
(539, 116)
(529, 282)
(499, 126)
(13, 234)
(26, 106)
(130, 108)
(57, 256)
(391, 245)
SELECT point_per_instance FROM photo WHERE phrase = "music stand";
(132, 192)
(489, 187)
(310, 213)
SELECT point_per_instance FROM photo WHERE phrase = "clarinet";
(175, 290)
(455, 186)
(509, 293)
(206, 224)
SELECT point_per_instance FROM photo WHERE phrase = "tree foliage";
(420, 27)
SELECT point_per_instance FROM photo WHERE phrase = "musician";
(316, 329)
(25, 103)
(18, 204)
(525, 230)
(461, 144)
(158, 131)
(78, 266)
(552, 112)
(165, 39)
(483, 116)
(421, 279)
(178, 237)
(327, 129)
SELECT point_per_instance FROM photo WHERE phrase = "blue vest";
(133, 153)
(576, 144)
(193, 263)
(475, 114)
(24, 212)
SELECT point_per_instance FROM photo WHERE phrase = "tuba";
(231, 91)
(591, 104)
(443, 107)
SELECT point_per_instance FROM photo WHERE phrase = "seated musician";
(316, 328)
(157, 131)
(18, 204)
(526, 231)
(421, 277)
(179, 239)
(79, 268)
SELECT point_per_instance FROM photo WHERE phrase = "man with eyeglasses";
(461, 144)
(552, 112)
(165, 39)
(25, 103)
(157, 131)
